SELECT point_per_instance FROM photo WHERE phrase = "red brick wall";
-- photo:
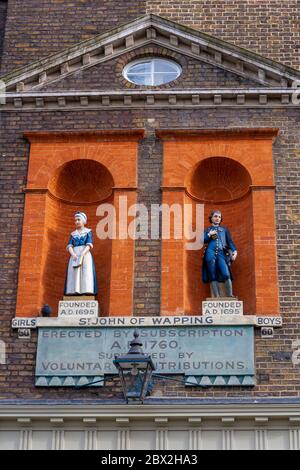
(244, 162)
(48, 222)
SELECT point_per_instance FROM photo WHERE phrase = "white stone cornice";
(171, 98)
(183, 411)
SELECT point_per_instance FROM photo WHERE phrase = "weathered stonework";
(108, 76)
(113, 44)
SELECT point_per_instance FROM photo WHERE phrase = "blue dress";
(216, 261)
(81, 280)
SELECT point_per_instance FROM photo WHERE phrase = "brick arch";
(250, 214)
(225, 184)
(218, 179)
(45, 160)
(81, 180)
(76, 185)
(257, 162)
(56, 160)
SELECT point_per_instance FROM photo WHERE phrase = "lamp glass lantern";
(135, 371)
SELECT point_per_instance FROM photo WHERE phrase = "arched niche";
(68, 171)
(222, 183)
(76, 185)
(233, 170)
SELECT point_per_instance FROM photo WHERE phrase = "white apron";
(80, 280)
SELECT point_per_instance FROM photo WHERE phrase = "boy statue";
(219, 253)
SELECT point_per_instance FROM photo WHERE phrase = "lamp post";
(135, 371)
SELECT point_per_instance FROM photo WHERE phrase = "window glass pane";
(144, 67)
(161, 78)
(164, 66)
(143, 79)
(153, 72)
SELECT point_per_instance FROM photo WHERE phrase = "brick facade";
(267, 28)
(185, 157)
(276, 375)
(263, 27)
(63, 24)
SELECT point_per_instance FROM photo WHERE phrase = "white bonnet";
(82, 216)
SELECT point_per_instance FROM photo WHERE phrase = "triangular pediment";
(150, 29)
(108, 76)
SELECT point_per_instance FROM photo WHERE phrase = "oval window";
(151, 71)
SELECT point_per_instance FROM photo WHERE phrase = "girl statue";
(81, 274)
(220, 251)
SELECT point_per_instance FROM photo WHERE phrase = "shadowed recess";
(219, 179)
(81, 180)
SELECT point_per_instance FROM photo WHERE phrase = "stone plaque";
(267, 332)
(222, 307)
(24, 333)
(217, 355)
(269, 321)
(19, 322)
(78, 308)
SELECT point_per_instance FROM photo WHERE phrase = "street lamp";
(135, 371)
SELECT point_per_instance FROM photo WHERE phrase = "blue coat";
(225, 243)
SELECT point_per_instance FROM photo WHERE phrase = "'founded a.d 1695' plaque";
(222, 307)
(78, 308)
